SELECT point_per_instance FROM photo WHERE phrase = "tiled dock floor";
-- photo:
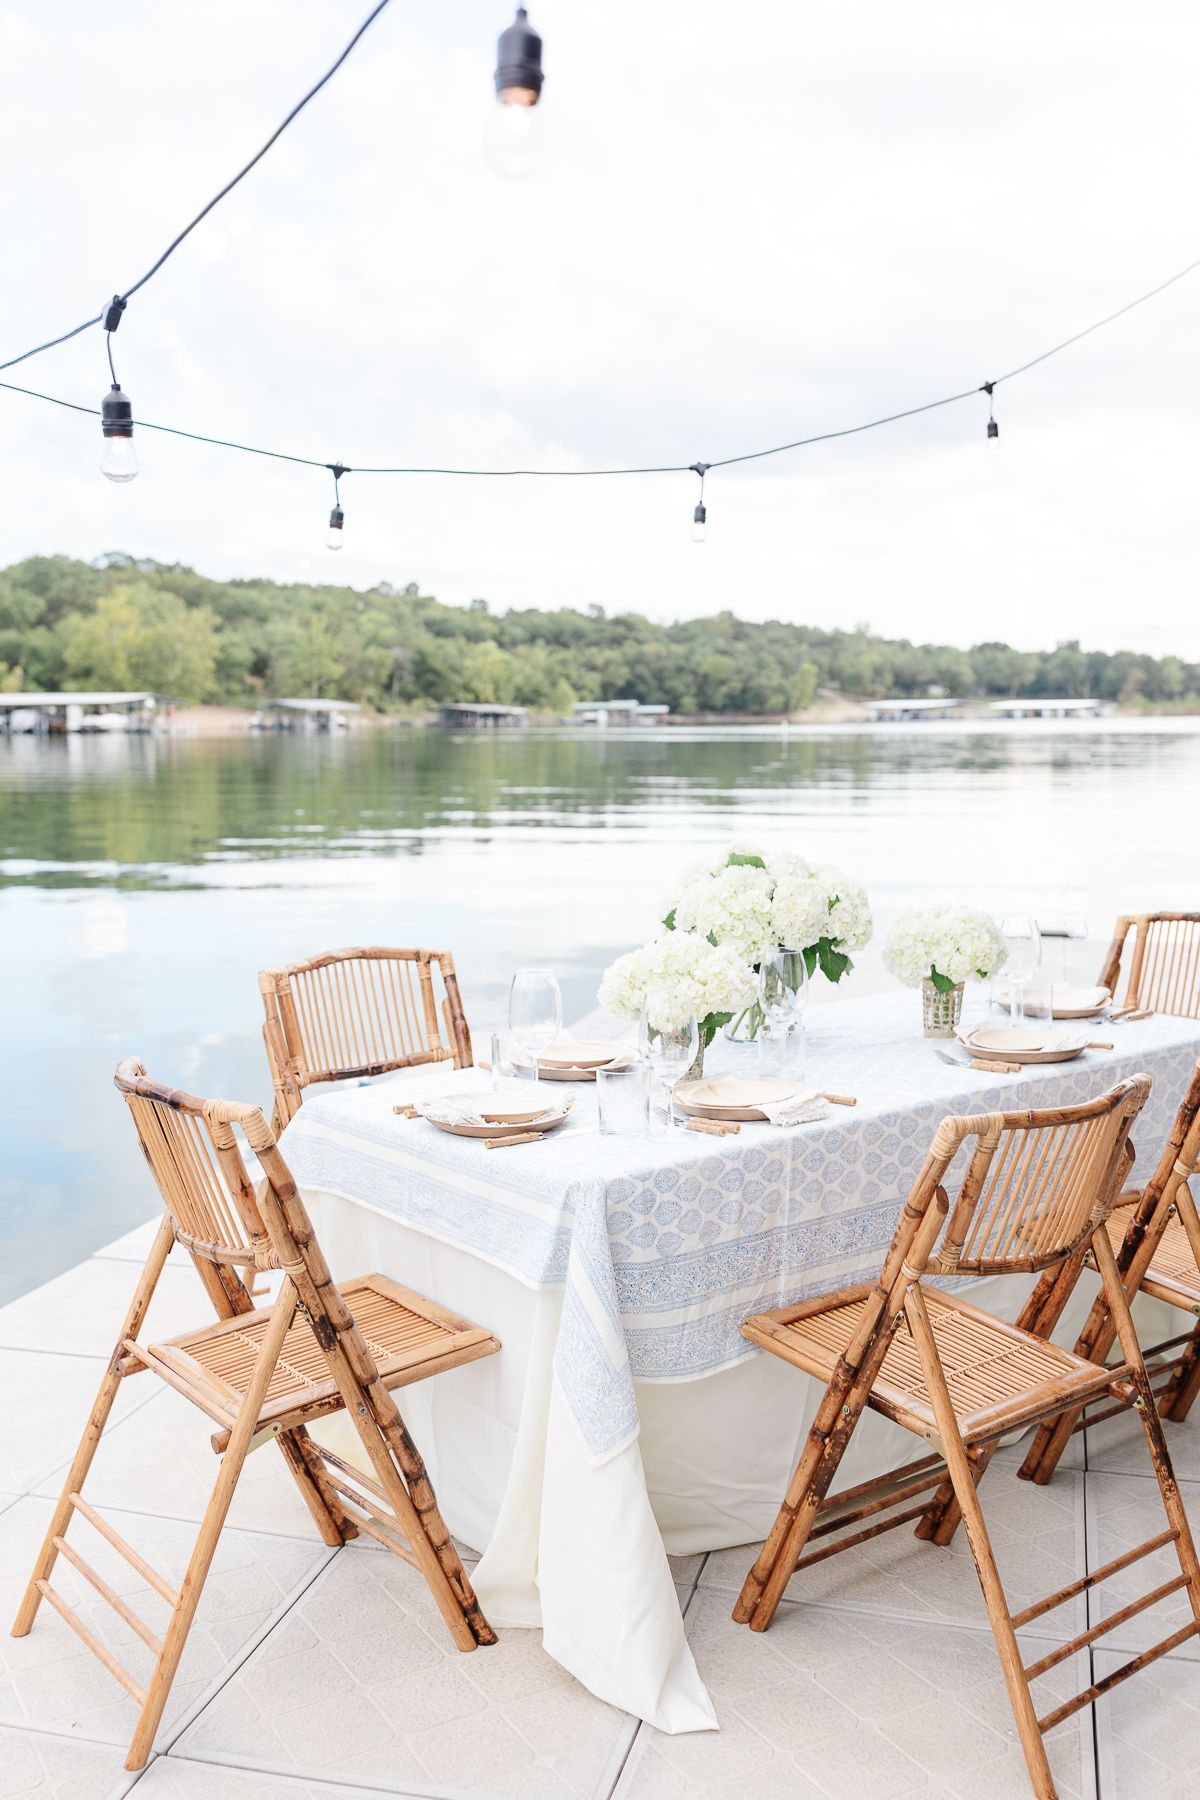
(320, 1675)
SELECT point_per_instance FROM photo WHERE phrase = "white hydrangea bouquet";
(753, 901)
(687, 973)
(938, 948)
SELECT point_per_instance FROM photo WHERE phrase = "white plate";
(734, 1097)
(498, 1109)
(1025, 1043)
(581, 1055)
(1069, 1002)
(1079, 1002)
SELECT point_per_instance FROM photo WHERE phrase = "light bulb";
(514, 137)
(700, 524)
(993, 438)
(119, 459)
(334, 538)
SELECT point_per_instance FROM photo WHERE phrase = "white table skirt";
(577, 1547)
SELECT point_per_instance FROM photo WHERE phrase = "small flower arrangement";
(753, 901)
(689, 972)
(944, 944)
(938, 948)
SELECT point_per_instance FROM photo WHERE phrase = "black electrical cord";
(121, 299)
(821, 437)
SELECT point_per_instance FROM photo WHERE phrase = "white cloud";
(754, 223)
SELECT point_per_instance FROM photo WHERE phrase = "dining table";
(625, 1419)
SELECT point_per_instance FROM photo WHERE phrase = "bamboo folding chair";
(1155, 1234)
(359, 1012)
(1036, 1193)
(1163, 972)
(264, 1373)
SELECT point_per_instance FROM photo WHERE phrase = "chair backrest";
(1162, 970)
(218, 1213)
(195, 1158)
(1166, 1193)
(1035, 1187)
(359, 1012)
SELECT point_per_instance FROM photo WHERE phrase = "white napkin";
(798, 1109)
(446, 1110)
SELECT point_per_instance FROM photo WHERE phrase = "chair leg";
(1039, 1315)
(963, 1478)
(224, 1487)
(1053, 1435)
(1156, 1441)
(1176, 1399)
(89, 1443)
(829, 1434)
(302, 1458)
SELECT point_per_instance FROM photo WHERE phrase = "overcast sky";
(754, 221)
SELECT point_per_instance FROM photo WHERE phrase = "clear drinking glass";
(668, 1040)
(1023, 941)
(783, 988)
(534, 1015)
(782, 1000)
(1057, 933)
(621, 1100)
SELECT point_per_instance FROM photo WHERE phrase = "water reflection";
(143, 882)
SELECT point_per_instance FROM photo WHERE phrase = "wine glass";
(669, 1038)
(534, 1011)
(782, 1000)
(1023, 941)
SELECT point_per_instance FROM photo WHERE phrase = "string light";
(518, 80)
(993, 430)
(119, 460)
(514, 139)
(700, 516)
(337, 518)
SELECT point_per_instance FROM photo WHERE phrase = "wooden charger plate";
(502, 1116)
(577, 1061)
(734, 1097)
(1025, 1043)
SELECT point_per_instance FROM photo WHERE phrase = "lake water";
(143, 882)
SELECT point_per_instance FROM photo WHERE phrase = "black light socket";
(993, 429)
(700, 516)
(116, 414)
(337, 519)
(519, 59)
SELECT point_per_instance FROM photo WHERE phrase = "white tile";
(1036, 1534)
(360, 1682)
(161, 1460)
(831, 1704)
(42, 1767)
(179, 1778)
(1148, 1731)
(51, 1681)
(1118, 1446)
(45, 1401)
(1123, 1511)
(82, 1311)
(133, 1246)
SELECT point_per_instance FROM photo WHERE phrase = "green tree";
(140, 637)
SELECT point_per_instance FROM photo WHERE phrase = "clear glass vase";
(941, 1011)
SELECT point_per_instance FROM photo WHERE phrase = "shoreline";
(219, 721)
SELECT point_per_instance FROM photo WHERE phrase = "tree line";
(127, 623)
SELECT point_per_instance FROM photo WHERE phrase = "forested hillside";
(123, 623)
